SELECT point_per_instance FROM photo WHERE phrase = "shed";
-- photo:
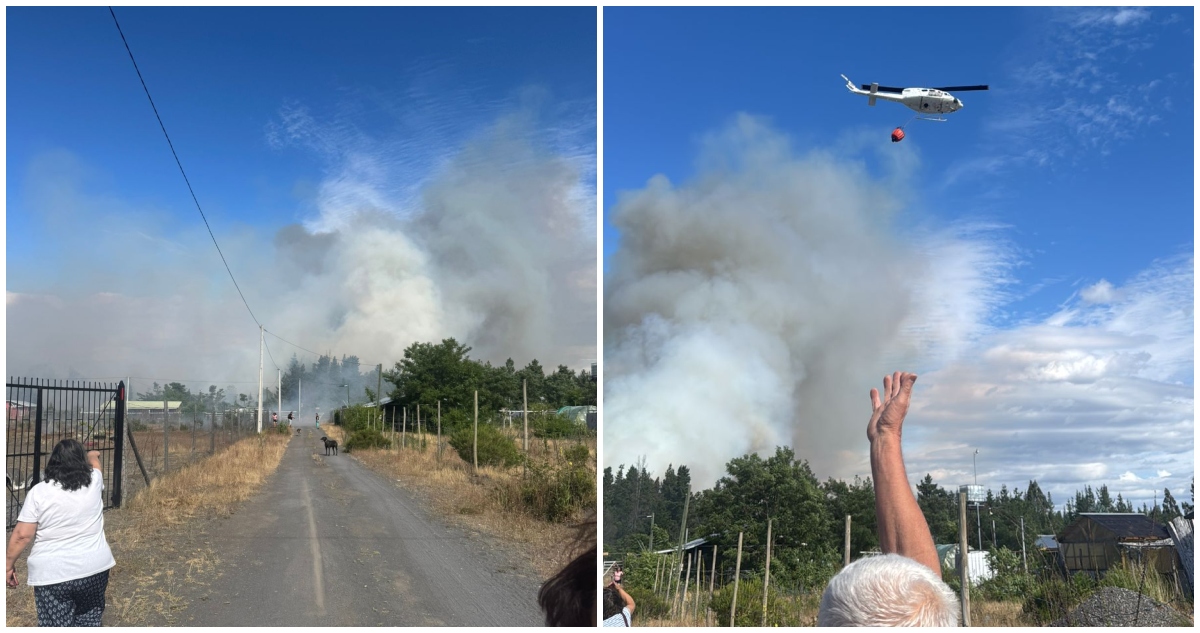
(1096, 541)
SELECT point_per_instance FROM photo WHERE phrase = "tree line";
(808, 514)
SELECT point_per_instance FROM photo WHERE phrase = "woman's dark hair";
(68, 465)
(569, 598)
(613, 602)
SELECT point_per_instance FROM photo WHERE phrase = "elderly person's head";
(887, 590)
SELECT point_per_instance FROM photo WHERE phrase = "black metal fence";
(42, 413)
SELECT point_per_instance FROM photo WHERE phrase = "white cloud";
(1101, 292)
(1095, 389)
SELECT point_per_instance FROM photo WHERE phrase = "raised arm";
(901, 525)
(93, 458)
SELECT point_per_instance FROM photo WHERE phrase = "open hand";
(887, 416)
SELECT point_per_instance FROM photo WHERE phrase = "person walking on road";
(64, 517)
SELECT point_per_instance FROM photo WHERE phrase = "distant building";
(979, 566)
(1098, 541)
(1046, 543)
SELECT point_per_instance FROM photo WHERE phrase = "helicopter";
(930, 104)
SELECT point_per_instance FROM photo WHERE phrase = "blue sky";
(296, 117)
(1070, 182)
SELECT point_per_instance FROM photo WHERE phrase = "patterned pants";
(77, 602)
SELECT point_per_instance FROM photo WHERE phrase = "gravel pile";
(1112, 606)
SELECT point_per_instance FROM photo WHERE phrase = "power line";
(317, 354)
(180, 164)
(269, 355)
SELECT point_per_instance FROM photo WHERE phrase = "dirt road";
(329, 543)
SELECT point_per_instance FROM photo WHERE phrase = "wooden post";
(658, 568)
(404, 428)
(137, 455)
(737, 572)
(525, 399)
(712, 579)
(699, 573)
(418, 440)
(212, 433)
(475, 446)
(687, 581)
(964, 559)
(193, 432)
(439, 430)
(846, 554)
(166, 437)
(767, 577)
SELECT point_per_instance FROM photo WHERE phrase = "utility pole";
(652, 533)
(964, 560)
(260, 370)
(525, 398)
(379, 392)
(475, 446)
(439, 429)
(299, 399)
(278, 390)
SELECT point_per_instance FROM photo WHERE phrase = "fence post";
(404, 429)
(439, 430)
(212, 432)
(138, 456)
(166, 437)
(37, 439)
(737, 574)
(475, 446)
(193, 431)
(687, 581)
(964, 560)
(712, 579)
(846, 555)
(119, 446)
(525, 400)
(767, 577)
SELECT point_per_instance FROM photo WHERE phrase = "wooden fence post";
(712, 579)
(166, 437)
(439, 430)
(137, 455)
(687, 581)
(846, 555)
(475, 446)
(767, 577)
(737, 573)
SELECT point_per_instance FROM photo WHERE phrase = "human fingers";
(887, 388)
(896, 378)
(909, 380)
(875, 403)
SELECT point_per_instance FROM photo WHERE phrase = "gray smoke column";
(755, 305)
(491, 242)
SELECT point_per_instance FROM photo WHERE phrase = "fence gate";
(42, 413)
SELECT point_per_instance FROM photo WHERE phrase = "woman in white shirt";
(64, 517)
(618, 606)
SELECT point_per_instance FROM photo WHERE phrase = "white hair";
(887, 590)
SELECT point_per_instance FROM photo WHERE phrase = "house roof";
(1122, 525)
(151, 405)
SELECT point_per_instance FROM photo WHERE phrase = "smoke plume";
(755, 305)
(494, 244)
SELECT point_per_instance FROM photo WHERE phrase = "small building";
(1046, 543)
(1097, 541)
(979, 566)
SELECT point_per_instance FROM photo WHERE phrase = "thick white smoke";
(755, 305)
(495, 246)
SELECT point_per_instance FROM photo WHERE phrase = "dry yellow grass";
(157, 545)
(988, 613)
(474, 502)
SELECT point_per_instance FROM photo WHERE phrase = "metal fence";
(41, 413)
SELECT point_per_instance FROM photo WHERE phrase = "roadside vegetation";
(158, 537)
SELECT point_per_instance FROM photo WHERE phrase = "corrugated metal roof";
(1123, 525)
(151, 405)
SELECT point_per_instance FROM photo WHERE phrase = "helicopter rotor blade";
(960, 88)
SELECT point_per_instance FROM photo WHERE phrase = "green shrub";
(137, 426)
(750, 606)
(1010, 581)
(495, 449)
(1053, 598)
(650, 604)
(577, 454)
(365, 439)
(554, 492)
(552, 426)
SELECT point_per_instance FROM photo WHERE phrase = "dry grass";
(158, 538)
(475, 502)
(988, 613)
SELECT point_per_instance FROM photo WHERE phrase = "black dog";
(330, 444)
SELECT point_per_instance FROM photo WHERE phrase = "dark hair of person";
(613, 602)
(68, 465)
(569, 597)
